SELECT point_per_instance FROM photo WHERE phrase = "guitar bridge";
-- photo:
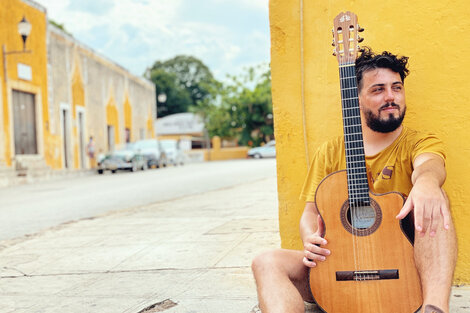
(366, 275)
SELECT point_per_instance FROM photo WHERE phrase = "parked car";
(124, 157)
(173, 151)
(153, 152)
(266, 151)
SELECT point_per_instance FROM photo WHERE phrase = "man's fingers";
(445, 211)
(435, 218)
(317, 250)
(407, 207)
(418, 213)
(308, 262)
(427, 212)
(313, 256)
(446, 216)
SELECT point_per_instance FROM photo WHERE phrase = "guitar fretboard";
(358, 187)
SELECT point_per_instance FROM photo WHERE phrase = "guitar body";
(370, 270)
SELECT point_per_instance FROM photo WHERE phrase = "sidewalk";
(191, 254)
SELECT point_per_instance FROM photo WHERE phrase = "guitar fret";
(355, 184)
(359, 181)
(363, 190)
(348, 88)
(345, 99)
(348, 77)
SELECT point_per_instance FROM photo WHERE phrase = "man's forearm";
(431, 169)
(308, 221)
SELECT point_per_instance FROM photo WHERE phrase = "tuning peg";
(360, 39)
(360, 49)
(333, 43)
(334, 52)
(359, 28)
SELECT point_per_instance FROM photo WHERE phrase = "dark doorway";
(24, 119)
(110, 138)
(65, 137)
(81, 139)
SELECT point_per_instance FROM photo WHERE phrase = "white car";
(173, 151)
(266, 151)
(153, 152)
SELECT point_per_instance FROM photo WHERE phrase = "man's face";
(382, 100)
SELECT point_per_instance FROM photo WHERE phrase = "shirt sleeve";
(319, 168)
(429, 143)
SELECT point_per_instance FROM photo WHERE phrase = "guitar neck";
(358, 187)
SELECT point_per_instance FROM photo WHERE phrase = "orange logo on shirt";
(387, 172)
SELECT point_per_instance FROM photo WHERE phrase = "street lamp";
(24, 29)
(161, 98)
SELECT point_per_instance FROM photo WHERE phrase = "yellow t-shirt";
(390, 169)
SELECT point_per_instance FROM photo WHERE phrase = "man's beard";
(384, 126)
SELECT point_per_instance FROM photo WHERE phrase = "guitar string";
(343, 74)
(358, 192)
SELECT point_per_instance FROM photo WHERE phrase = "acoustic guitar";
(371, 268)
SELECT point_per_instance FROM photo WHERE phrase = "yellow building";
(306, 95)
(24, 108)
(92, 96)
(56, 93)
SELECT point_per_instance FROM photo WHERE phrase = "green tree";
(176, 99)
(249, 99)
(242, 109)
(185, 80)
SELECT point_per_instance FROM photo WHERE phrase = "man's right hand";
(313, 246)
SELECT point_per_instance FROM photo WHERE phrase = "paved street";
(194, 251)
(28, 209)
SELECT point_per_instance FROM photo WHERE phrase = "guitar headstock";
(346, 37)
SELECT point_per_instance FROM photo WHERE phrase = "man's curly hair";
(368, 60)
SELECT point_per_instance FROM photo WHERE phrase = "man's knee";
(264, 261)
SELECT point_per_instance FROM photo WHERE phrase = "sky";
(226, 35)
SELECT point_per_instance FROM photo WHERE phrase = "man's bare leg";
(282, 281)
(435, 259)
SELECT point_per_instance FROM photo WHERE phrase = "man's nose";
(389, 97)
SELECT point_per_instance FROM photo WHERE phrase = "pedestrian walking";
(90, 150)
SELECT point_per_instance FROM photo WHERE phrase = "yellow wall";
(112, 118)
(306, 94)
(11, 13)
(128, 116)
(217, 153)
(78, 99)
(150, 129)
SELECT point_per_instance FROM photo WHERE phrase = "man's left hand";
(427, 199)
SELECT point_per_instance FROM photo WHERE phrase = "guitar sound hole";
(361, 216)
(362, 219)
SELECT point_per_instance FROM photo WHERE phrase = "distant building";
(93, 96)
(188, 128)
